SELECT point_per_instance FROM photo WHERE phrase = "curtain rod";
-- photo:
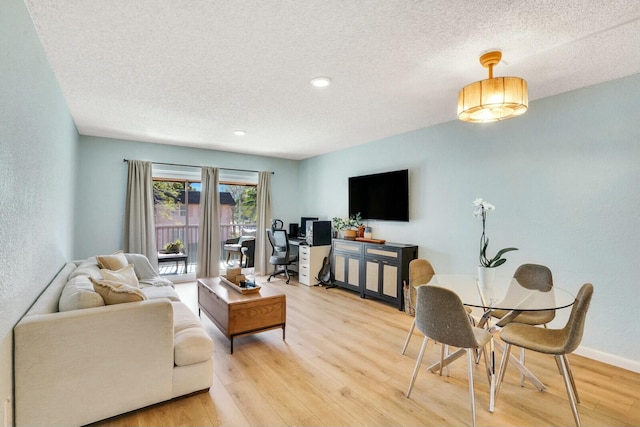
(196, 166)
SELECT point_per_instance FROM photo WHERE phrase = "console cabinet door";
(346, 264)
(381, 278)
(382, 272)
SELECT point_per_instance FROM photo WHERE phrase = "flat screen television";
(383, 196)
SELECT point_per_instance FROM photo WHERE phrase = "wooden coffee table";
(238, 314)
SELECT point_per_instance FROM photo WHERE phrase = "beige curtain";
(262, 251)
(139, 229)
(209, 234)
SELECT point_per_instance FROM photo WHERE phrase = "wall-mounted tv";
(383, 196)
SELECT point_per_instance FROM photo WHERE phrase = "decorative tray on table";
(250, 288)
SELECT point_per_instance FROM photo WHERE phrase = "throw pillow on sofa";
(125, 275)
(116, 292)
(114, 261)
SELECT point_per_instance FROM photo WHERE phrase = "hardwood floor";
(341, 366)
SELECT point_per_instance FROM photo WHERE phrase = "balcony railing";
(189, 236)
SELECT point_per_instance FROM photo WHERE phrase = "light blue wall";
(102, 177)
(38, 143)
(565, 180)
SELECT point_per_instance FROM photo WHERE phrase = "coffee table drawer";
(258, 314)
(215, 307)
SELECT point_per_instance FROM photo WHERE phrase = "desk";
(177, 258)
(504, 294)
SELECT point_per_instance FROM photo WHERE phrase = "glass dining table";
(504, 293)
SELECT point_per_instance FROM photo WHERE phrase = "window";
(177, 205)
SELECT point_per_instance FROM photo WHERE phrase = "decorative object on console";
(492, 99)
(486, 272)
(348, 226)
(364, 239)
(367, 233)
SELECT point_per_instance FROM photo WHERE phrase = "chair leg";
(406, 341)
(417, 367)
(444, 351)
(573, 382)
(521, 361)
(569, 387)
(503, 367)
(471, 363)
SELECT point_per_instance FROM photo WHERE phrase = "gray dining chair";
(420, 273)
(440, 316)
(557, 342)
(532, 276)
(537, 277)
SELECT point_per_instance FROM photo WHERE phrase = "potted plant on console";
(486, 269)
(348, 226)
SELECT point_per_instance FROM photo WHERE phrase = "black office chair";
(281, 254)
(248, 250)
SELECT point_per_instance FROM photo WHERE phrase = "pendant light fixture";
(492, 99)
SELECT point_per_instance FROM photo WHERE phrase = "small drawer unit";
(310, 262)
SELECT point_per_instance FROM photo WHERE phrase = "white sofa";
(83, 365)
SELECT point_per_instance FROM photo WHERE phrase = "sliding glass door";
(177, 205)
(177, 217)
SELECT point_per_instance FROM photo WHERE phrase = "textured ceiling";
(191, 72)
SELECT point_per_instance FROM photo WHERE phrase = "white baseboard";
(621, 362)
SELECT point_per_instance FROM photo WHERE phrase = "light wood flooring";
(341, 366)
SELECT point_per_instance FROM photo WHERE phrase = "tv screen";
(382, 196)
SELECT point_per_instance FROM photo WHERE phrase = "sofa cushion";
(114, 261)
(192, 346)
(116, 292)
(88, 267)
(184, 318)
(153, 292)
(124, 275)
(191, 343)
(78, 293)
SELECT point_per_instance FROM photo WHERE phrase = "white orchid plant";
(481, 207)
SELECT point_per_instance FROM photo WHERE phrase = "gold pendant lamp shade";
(492, 99)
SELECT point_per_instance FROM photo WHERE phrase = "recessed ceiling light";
(321, 81)
(239, 132)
